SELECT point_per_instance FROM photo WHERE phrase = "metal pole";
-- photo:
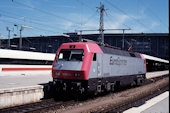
(20, 40)
(9, 38)
(101, 27)
(80, 37)
(123, 43)
(123, 40)
(0, 40)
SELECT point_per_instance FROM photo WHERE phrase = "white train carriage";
(155, 64)
(16, 62)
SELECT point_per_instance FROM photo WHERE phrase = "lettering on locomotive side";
(117, 61)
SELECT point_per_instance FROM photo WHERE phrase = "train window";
(94, 57)
(71, 55)
(132, 54)
(25, 61)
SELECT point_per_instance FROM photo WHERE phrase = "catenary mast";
(101, 26)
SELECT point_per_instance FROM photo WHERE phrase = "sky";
(55, 17)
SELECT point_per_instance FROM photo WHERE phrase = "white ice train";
(16, 62)
(155, 64)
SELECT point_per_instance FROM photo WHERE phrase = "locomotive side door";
(99, 64)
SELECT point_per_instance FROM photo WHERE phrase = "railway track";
(136, 101)
(37, 107)
(151, 80)
(52, 105)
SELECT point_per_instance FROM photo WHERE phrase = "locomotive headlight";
(77, 74)
(57, 73)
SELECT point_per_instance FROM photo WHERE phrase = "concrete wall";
(22, 95)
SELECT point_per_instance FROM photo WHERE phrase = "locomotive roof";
(118, 52)
(91, 47)
(107, 49)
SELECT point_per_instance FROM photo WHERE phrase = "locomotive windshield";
(71, 55)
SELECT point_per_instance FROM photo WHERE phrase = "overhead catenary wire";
(45, 12)
(83, 23)
(18, 15)
(81, 1)
(32, 22)
(154, 14)
(49, 13)
(122, 11)
(35, 28)
(109, 19)
(27, 19)
(41, 29)
(6, 21)
(87, 20)
(94, 13)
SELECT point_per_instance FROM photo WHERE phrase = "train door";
(99, 65)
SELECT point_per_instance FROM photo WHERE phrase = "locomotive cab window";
(71, 55)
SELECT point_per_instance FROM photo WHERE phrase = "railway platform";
(158, 104)
(156, 74)
(18, 90)
(23, 81)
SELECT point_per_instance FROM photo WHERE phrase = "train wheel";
(58, 93)
(108, 87)
(139, 81)
(99, 88)
(112, 87)
(133, 84)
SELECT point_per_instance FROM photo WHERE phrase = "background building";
(154, 44)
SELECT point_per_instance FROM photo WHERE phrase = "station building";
(154, 44)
